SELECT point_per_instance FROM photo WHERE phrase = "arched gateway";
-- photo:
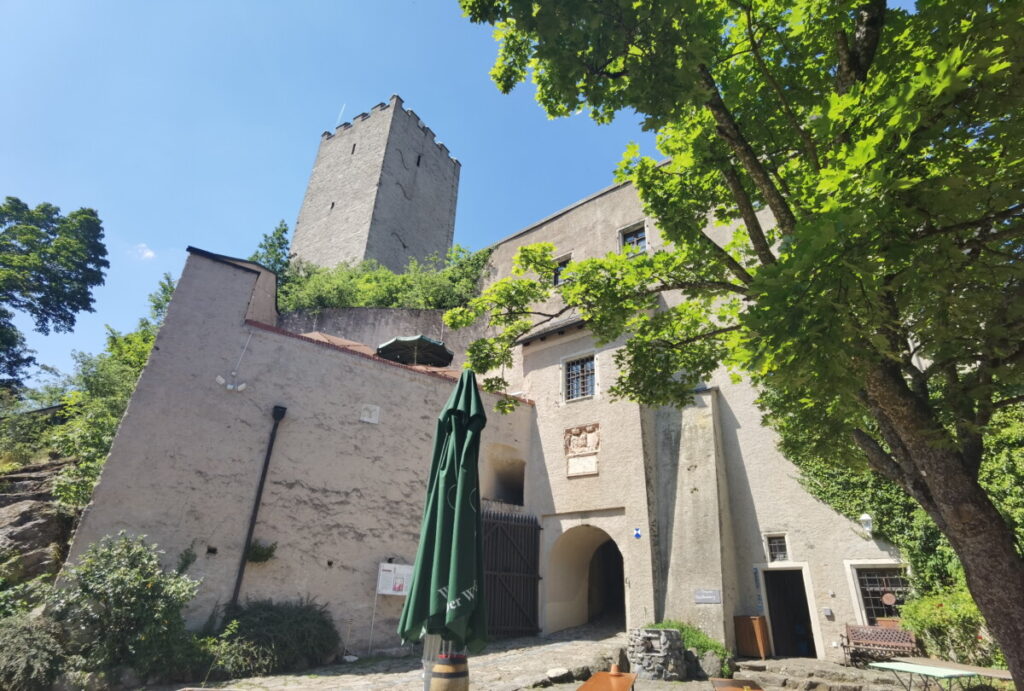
(584, 580)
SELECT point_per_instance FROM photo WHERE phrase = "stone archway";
(584, 580)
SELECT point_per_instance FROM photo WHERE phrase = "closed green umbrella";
(446, 596)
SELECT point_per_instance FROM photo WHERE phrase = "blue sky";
(196, 123)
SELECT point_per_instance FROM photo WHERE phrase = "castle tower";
(382, 188)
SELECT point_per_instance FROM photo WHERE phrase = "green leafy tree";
(273, 251)
(433, 284)
(871, 161)
(49, 265)
(101, 387)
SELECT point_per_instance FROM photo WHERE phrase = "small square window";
(559, 270)
(777, 550)
(579, 378)
(634, 241)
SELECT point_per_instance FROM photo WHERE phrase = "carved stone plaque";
(582, 440)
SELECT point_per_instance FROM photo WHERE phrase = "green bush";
(121, 608)
(695, 638)
(231, 657)
(30, 653)
(299, 633)
(21, 597)
(949, 625)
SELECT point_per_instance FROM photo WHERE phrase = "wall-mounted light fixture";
(866, 522)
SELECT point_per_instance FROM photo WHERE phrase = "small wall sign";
(707, 596)
(394, 579)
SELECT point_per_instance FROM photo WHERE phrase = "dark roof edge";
(557, 328)
(225, 259)
(559, 213)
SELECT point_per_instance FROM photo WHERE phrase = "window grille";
(579, 378)
(882, 591)
(559, 269)
(635, 241)
(777, 550)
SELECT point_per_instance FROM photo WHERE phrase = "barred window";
(777, 550)
(579, 378)
(634, 241)
(882, 591)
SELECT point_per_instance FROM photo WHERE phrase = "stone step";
(811, 675)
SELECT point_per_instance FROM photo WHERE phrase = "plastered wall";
(705, 483)
(342, 494)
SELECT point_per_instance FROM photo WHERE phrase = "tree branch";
(810, 149)
(855, 60)
(699, 337)
(750, 220)
(730, 132)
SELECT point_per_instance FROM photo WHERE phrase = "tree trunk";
(963, 511)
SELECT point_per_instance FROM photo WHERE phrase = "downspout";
(278, 415)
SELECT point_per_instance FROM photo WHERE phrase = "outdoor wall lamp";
(866, 522)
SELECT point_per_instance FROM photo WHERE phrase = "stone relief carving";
(582, 440)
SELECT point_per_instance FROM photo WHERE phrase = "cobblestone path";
(505, 666)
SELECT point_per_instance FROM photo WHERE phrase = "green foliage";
(950, 627)
(19, 598)
(21, 432)
(232, 657)
(298, 634)
(49, 265)
(31, 656)
(430, 285)
(101, 387)
(121, 608)
(273, 251)
(869, 162)
(260, 552)
(692, 637)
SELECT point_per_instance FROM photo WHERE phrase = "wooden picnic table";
(606, 681)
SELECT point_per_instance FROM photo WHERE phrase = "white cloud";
(143, 252)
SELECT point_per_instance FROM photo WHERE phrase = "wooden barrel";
(450, 673)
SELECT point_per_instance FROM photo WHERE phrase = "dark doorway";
(791, 620)
(606, 596)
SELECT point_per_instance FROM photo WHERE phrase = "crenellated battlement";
(396, 102)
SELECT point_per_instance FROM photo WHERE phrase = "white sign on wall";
(394, 579)
(707, 596)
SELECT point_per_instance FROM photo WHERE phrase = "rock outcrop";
(33, 532)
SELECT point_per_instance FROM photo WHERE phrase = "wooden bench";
(863, 644)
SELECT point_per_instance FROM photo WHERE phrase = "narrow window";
(579, 378)
(634, 241)
(777, 550)
(353, 148)
(559, 269)
(882, 591)
(418, 158)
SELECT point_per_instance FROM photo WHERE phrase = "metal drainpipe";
(278, 415)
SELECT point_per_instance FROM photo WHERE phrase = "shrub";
(122, 608)
(30, 653)
(21, 597)
(232, 657)
(950, 626)
(693, 637)
(299, 634)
